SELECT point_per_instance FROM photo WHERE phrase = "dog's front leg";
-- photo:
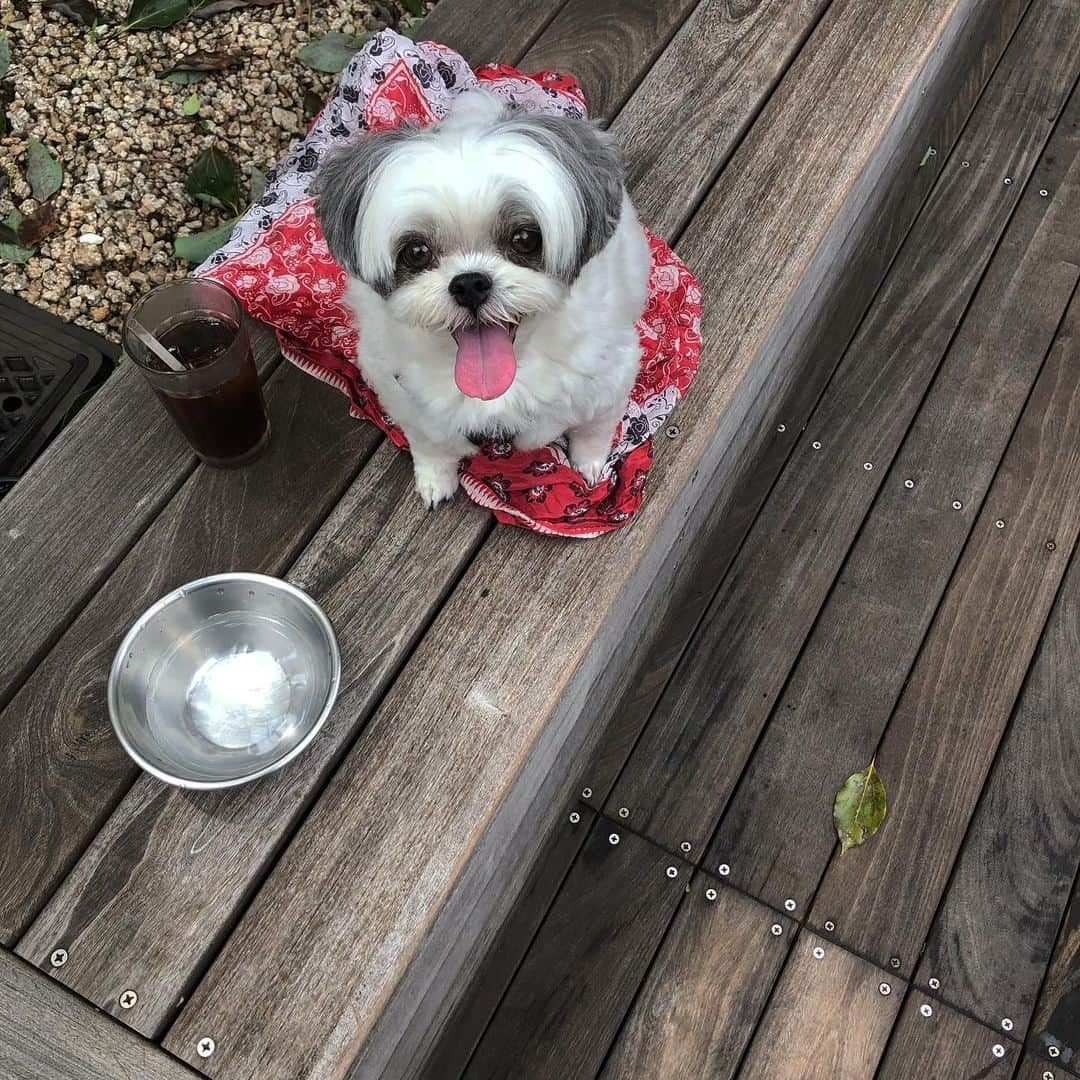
(435, 469)
(590, 445)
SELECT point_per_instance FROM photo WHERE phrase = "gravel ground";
(99, 104)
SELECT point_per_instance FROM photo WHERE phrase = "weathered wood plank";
(931, 1040)
(941, 739)
(827, 1019)
(61, 768)
(993, 937)
(516, 684)
(686, 764)
(1033, 1068)
(484, 32)
(48, 1034)
(563, 1008)
(1055, 1029)
(717, 73)
(845, 683)
(56, 546)
(696, 1012)
(148, 903)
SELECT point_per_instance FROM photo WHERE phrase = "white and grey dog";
(496, 271)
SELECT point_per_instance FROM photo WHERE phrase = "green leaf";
(157, 14)
(213, 178)
(184, 78)
(191, 105)
(14, 253)
(859, 808)
(258, 184)
(413, 7)
(5, 55)
(80, 12)
(43, 172)
(332, 52)
(201, 246)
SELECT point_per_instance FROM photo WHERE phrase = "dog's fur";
(463, 187)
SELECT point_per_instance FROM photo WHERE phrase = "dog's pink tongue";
(486, 364)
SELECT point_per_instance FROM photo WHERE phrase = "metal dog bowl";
(224, 680)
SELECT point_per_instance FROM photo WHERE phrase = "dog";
(496, 269)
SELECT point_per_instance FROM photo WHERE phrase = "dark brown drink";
(215, 400)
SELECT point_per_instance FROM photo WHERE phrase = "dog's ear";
(592, 159)
(342, 179)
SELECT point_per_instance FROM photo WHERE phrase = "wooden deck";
(571, 814)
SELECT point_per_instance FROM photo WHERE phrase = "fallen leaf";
(312, 104)
(13, 252)
(258, 184)
(213, 179)
(80, 12)
(43, 172)
(859, 808)
(8, 235)
(38, 225)
(5, 55)
(198, 248)
(413, 7)
(156, 14)
(219, 7)
(202, 61)
(191, 105)
(184, 78)
(332, 52)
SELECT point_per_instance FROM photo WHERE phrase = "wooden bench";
(331, 917)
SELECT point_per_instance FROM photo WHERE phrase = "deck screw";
(613, 838)
(710, 894)
(1006, 1024)
(830, 926)
(884, 989)
(816, 445)
(819, 952)
(58, 958)
(723, 869)
(776, 929)
(781, 427)
(205, 1047)
(935, 984)
(1051, 546)
(868, 465)
(1054, 1051)
(926, 1010)
(575, 817)
(957, 505)
(1048, 1075)
(1008, 180)
(909, 483)
(586, 793)
(672, 871)
(789, 904)
(964, 164)
(999, 524)
(998, 1050)
(685, 847)
(673, 431)
(894, 962)
(624, 811)
(1043, 192)
(127, 999)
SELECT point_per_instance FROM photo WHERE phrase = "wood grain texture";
(438, 880)
(484, 32)
(1055, 1029)
(48, 1034)
(780, 413)
(565, 1004)
(61, 766)
(150, 900)
(712, 81)
(941, 740)
(607, 45)
(827, 1019)
(944, 1044)
(56, 545)
(685, 767)
(1035, 1068)
(992, 939)
(696, 1012)
(837, 701)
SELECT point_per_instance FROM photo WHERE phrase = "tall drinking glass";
(215, 399)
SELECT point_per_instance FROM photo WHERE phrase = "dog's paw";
(436, 481)
(592, 468)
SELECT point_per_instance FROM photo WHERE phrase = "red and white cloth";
(276, 262)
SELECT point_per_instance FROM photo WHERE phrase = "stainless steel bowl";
(224, 680)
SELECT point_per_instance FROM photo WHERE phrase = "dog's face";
(474, 225)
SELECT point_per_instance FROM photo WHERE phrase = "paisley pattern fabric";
(277, 263)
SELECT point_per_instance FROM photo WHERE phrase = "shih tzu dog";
(496, 270)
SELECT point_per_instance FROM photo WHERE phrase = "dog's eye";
(416, 255)
(526, 240)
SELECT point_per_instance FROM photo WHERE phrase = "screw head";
(819, 952)
(830, 926)
(586, 793)
(624, 811)
(613, 838)
(776, 929)
(935, 984)
(894, 962)
(789, 904)
(926, 1010)
(868, 465)
(685, 847)
(575, 817)
(58, 957)
(1054, 1051)
(964, 164)
(781, 427)
(205, 1047)
(723, 869)
(909, 483)
(673, 431)
(884, 989)
(1051, 546)
(710, 894)
(1008, 180)
(1043, 192)
(128, 999)
(1006, 1024)
(1048, 1075)
(998, 1050)
(999, 524)
(672, 871)
(957, 504)
(816, 445)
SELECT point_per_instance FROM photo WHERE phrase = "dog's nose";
(471, 290)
